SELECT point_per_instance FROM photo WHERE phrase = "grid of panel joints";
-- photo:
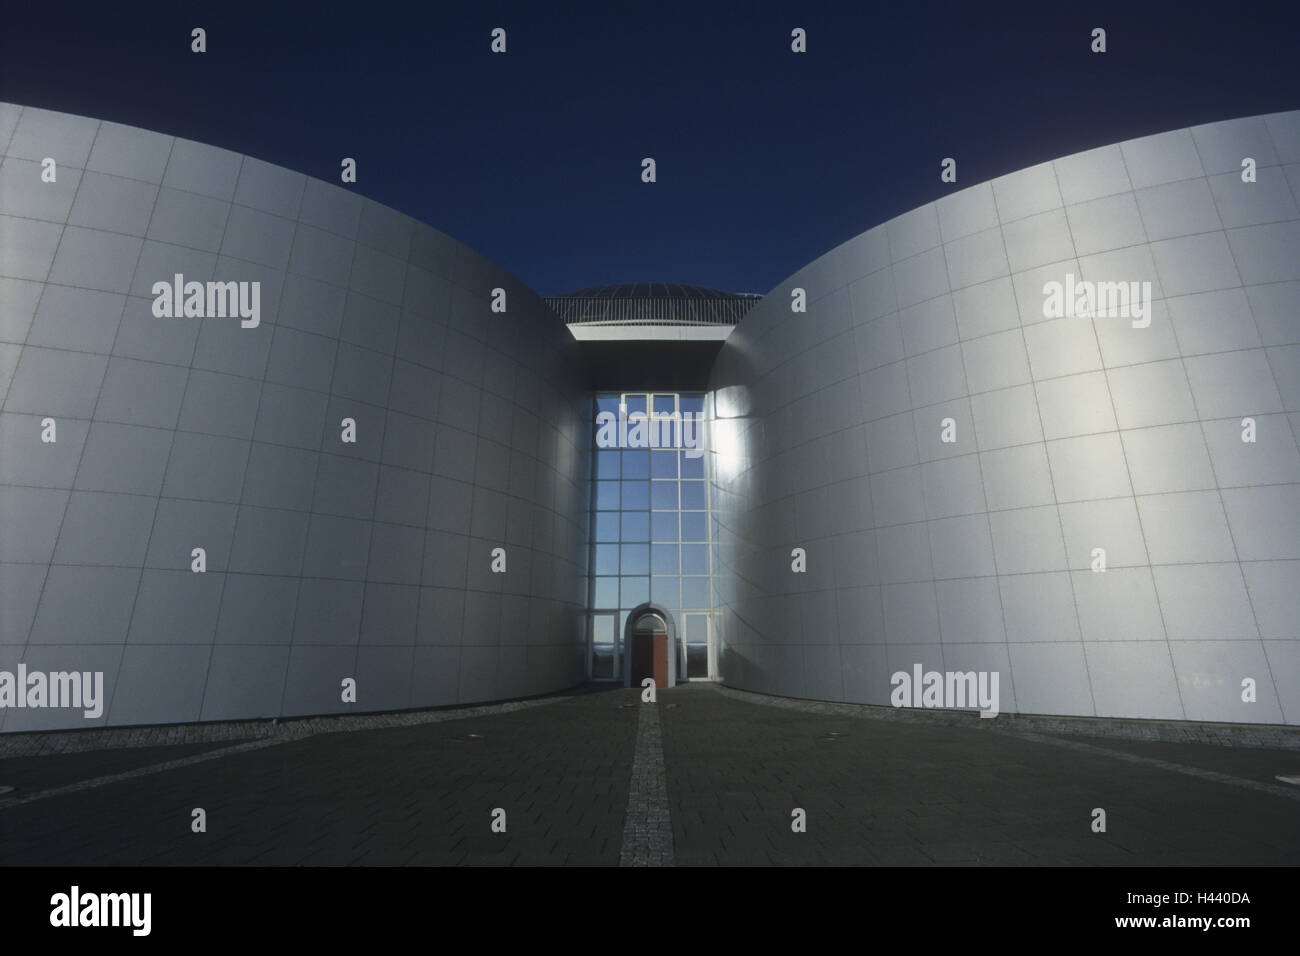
(145, 400)
(914, 486)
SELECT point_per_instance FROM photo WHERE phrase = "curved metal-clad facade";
(1045, 427)
(951, 443)
(326, 559)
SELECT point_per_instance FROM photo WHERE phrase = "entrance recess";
(650, 650)
(650, 639)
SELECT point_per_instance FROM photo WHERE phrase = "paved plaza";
(711, 777)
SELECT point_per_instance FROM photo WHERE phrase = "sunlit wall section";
(1044, 427)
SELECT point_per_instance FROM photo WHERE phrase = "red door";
(661, 659)
(650, 650)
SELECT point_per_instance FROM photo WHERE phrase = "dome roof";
(651, 303)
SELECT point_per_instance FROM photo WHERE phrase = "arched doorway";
(650, 639)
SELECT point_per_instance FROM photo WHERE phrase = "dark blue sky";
(766, 158)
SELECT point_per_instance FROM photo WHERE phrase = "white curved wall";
(1071, 434)
(325, 560)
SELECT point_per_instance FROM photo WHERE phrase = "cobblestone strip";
(648, 827)
(1268, 736)
(115, 738)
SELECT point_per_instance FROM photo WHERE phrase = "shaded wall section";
(1070, 434)
(325, 559)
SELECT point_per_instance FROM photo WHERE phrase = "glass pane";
(636, 495)
(635, 591)
(695, 559)
(650, 623)
(695, 526)
(692, 467)
(636, 525)
(607, 525)
(636, 559)
(695, 592)
(602, 629)
(697, 629)
(607, 403)
(665, 432)
(664, 464)
(606, 593)
(665, 404)
(602, 661)
(695, 435)
(636, 463)
(693, 495)
(607, 496)
(605, 560)
(663, 559)
(666, 591)
(664, 494)
(664, 525)
(692, 403)
(697, 660)
(635, 403)
(607, 462)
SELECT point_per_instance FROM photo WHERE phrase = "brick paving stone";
(419, 794)
(717, 789)
(31, 773)
(925, 792)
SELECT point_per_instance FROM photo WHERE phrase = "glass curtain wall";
(650, 522)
